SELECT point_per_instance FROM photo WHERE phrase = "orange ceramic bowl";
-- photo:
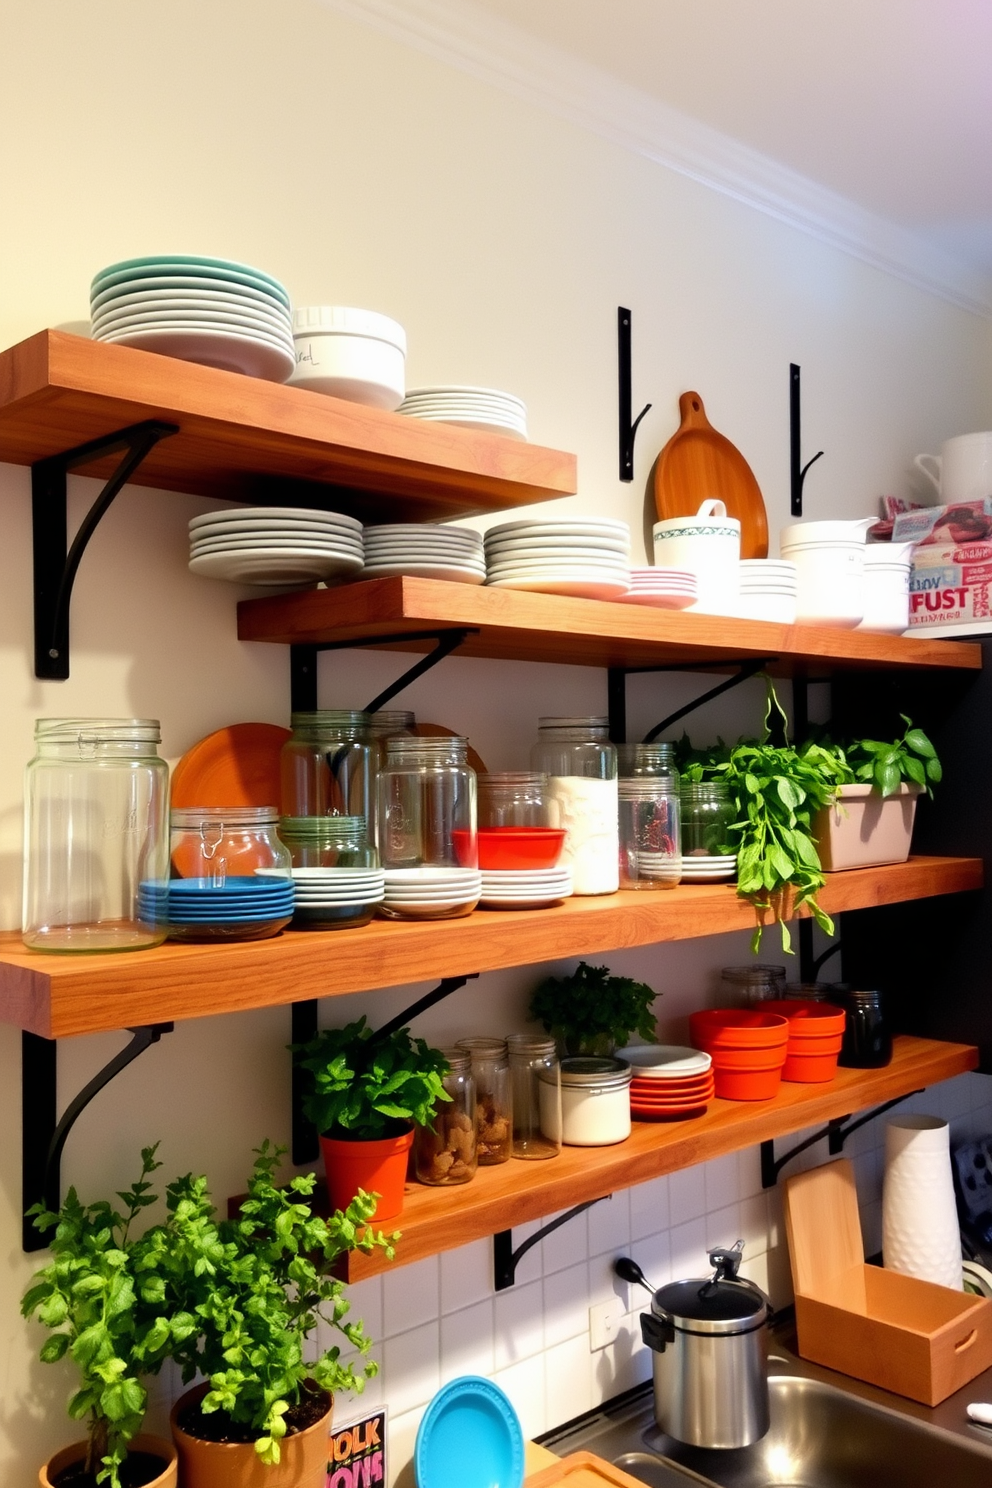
(812, 1069)
(748, 1085)
(808, 1019)
(737, 1028)
(750, 1059)
(503, 848)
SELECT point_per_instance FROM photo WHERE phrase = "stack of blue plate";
(247, 908)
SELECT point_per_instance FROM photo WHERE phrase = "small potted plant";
(591, 1012)
(254, 1290)
(102, 1297)
(368, 1091)
(870, 819)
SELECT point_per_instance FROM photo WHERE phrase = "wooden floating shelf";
(245, 440)
(437, 1219)
(57, 996)
(516, 626)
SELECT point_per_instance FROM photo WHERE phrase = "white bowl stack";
(470, 407)
(525, 888)
(768, 588)
(426, 551)
(358, 355)
(665, 588)
(704, 868)
(275, 545)
(207, 310)
(583, 557)
(430, 893)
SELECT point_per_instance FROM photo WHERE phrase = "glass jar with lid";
(328, 842)
(329, 766)
(581, 765)
(493, 1107)
(707, 813)
(650, 841)
(595, 1102)
(534, 1068)
(513, 798)
(444, 1153)
(427, 805)
(751, 984)
(221, 842)
(96, 835)
(656, 758)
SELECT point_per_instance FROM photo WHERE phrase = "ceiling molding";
(476, 42)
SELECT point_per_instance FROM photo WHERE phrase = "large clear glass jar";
(581, 766)
(218, 843)
(329, 766)
(385, 722)
(427, 805)
(650, 842)
(493, 1106)
(648, 759)
(96, 827)
(751, 984)
(513, 798)
(534, 1067)
(328, 842)
(444, 1153)
(707, 812)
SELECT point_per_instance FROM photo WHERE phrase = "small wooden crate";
(908, 1336)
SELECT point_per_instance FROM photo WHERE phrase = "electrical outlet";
(604, 1323)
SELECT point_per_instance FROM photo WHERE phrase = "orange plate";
(235, 766)
(667, 1113)
(697, 463)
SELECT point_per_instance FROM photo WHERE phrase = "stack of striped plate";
(275, 545)
(584, 556)
(425, 550)
(667, 588)
(205, 310)
(472, 407)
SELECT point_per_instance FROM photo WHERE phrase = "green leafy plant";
(253, 1290)
(367, 1086)
(591, 1012)
(103, 1297)
(911, 759)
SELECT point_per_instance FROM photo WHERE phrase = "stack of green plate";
(205, 310)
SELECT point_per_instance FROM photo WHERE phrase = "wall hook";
(797, 471)
(628, 430)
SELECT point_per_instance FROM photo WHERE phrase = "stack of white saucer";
(275, 545)
(666, 588)
(471, 407)
(584, 557)
(704, 868)
(336, 888)
(430, 893)
(425, 551)
(768, 590)
(525, 888)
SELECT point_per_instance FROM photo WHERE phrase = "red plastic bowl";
(808, 1019)
(737, 1028)
(748, 1085)
(811, 1069)
(503, 848)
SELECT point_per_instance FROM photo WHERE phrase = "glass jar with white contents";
(581, 765)
(595, 1102)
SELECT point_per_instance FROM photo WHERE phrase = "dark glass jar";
(867, 1032)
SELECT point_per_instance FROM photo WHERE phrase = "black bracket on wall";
(506, 1259)
(836, 1132)
(303, 663)
(44, 1137)
(628, 429)
(55, 567)
(797, 471)
(616, 686)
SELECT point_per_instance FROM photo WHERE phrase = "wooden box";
(907, 1336)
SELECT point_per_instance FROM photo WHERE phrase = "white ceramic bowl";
(358, 355)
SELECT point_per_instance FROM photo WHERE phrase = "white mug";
(709, 546)
(963, 469)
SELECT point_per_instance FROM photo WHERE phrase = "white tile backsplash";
(410, 1296)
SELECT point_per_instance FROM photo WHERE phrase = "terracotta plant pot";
(378, 1166)
(205, 1464)
(156, 1446)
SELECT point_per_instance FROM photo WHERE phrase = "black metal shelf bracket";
(303, 663)
(836, 1132)
(628, 429)
(616, 684)
(55, 563)
(506, 1259)
(797, 471)
(44, 1137)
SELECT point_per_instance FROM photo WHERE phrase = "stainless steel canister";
(710, 1345)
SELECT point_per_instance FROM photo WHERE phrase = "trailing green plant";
(103, 1296)
(367, 1086)
(911, 759)
(591, 1012)
(254, 1290)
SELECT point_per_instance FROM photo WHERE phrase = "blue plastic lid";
(470, 1437)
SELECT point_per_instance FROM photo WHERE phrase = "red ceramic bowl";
(737, 1028)
(811, 1069)
(808, 1019)
(750, 1059)
(502, 848)
(748, 1085)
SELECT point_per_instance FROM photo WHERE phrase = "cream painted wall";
(362, 173)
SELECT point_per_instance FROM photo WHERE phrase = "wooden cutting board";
(697, 464)
(582, 1470)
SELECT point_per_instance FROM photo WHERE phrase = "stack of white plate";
(426, 551)
(431, 893)
(206, 310)
(767, 590)
(472, 407)
(702, 868)
(525, 888)
(584, 557)
(666, 588)
(271, 545)
(329, 896)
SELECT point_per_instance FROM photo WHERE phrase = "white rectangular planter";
(861, 829)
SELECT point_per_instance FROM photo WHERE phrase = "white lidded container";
(830, 570)
(887, 567)
(595, 1102)
(359, 355)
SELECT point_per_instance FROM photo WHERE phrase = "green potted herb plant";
(254, 1289)
(367, 1092)
(592, 1012)
(103, 1299)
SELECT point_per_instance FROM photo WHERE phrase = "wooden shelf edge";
(64, 996)
(439, 1219)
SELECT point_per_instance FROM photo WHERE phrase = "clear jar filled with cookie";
(493, 1109)
(445, 1153)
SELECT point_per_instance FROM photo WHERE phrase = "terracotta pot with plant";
(591, 1012)
(103, 1297)
(254, 1290)
(367, 1092)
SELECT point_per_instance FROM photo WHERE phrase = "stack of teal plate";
(205, 310)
